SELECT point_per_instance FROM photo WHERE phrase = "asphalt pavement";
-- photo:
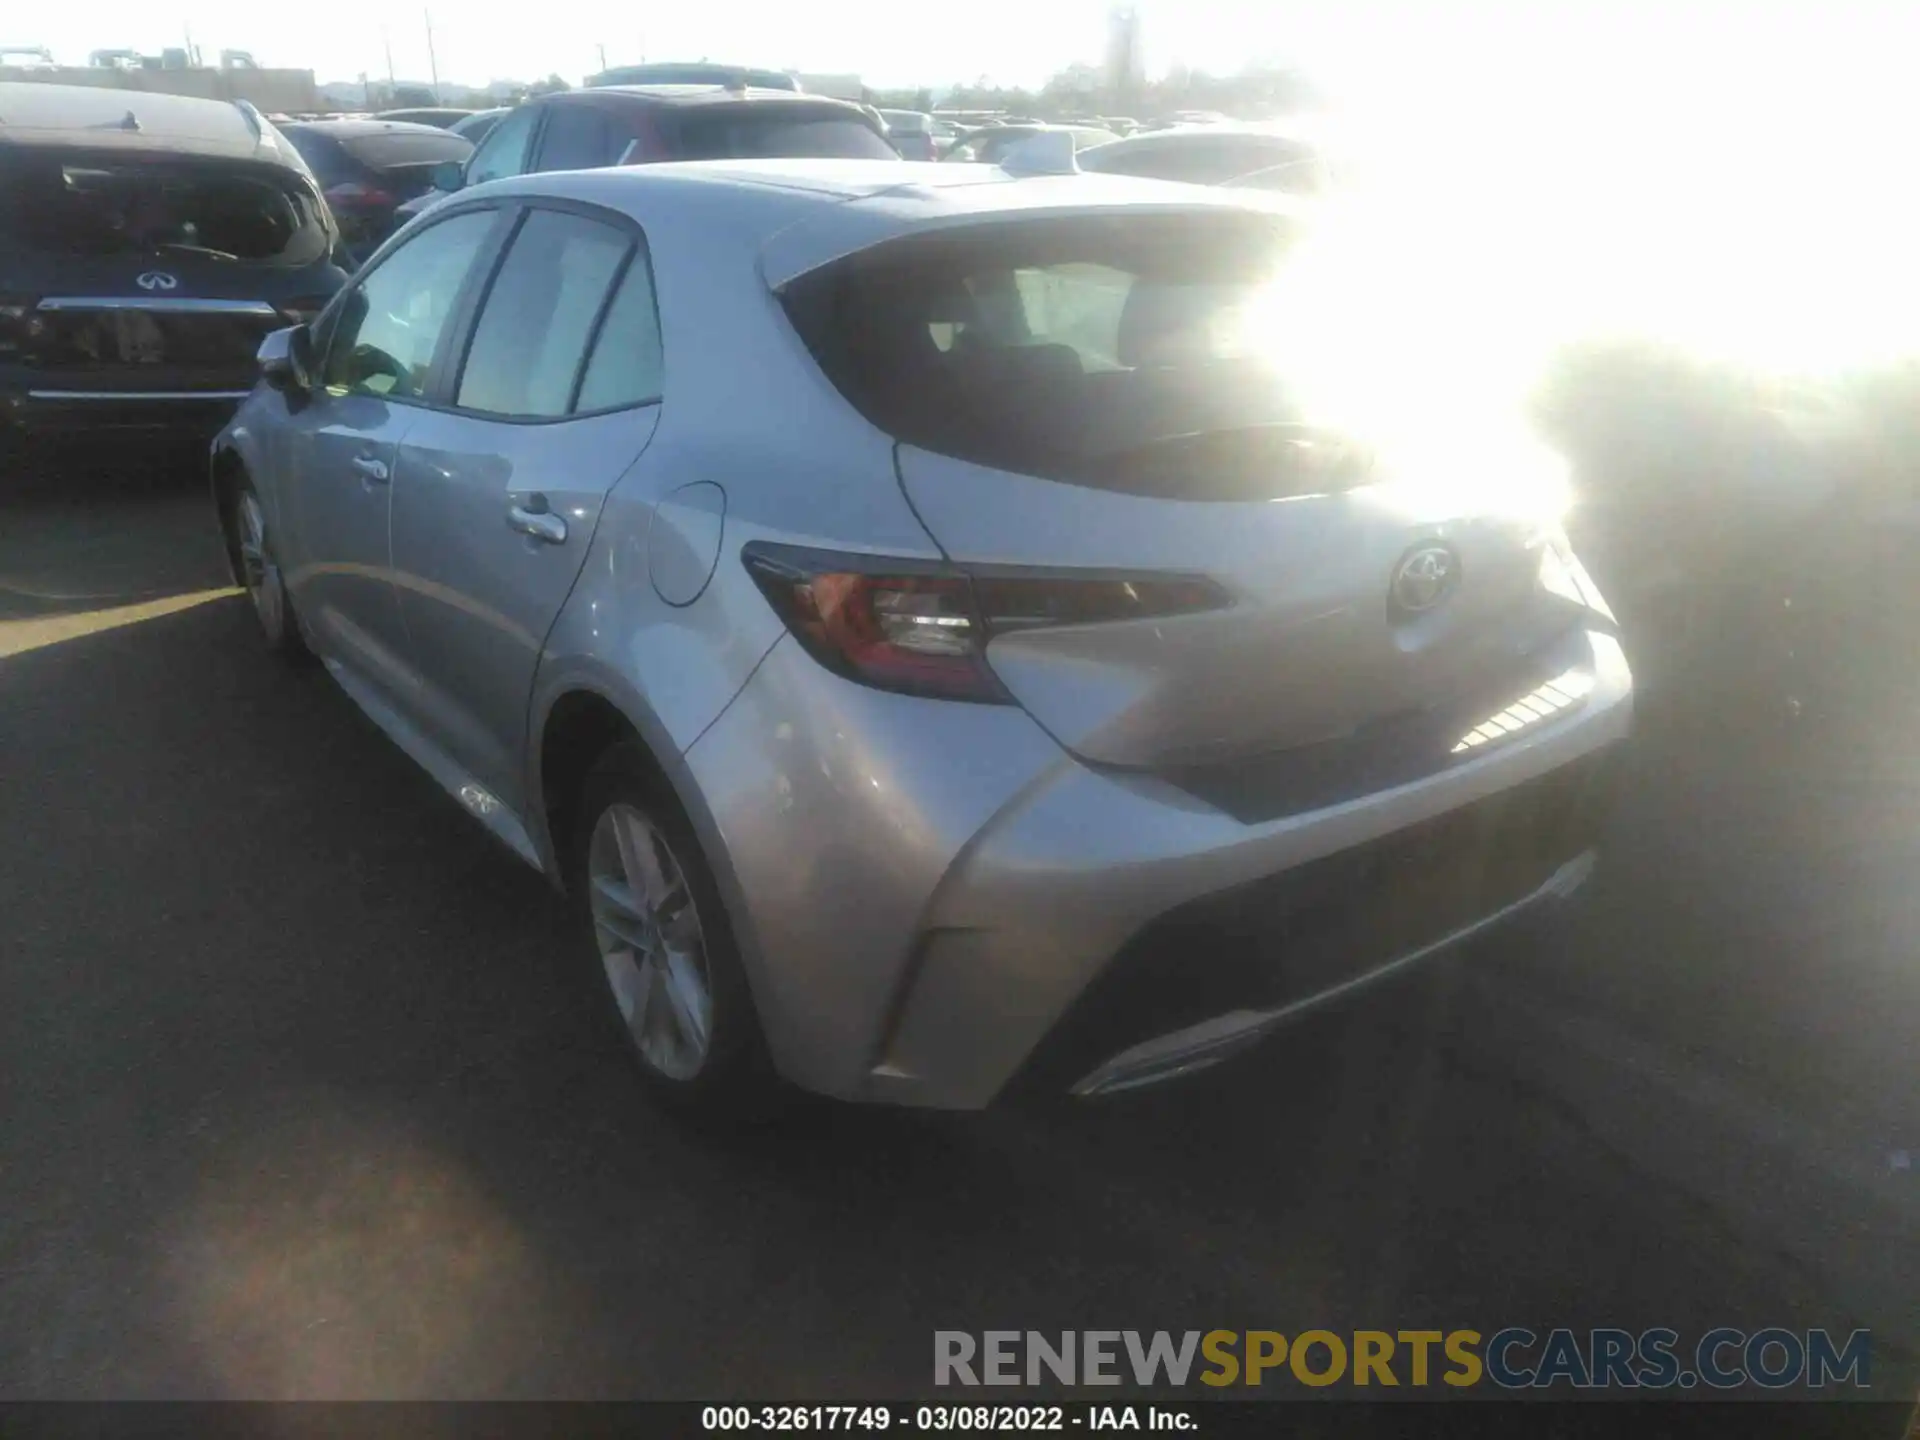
(300, 1099)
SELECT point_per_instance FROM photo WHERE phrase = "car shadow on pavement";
(78, 537)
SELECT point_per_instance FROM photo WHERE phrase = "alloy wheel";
(651, 943)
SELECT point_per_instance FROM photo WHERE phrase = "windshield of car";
(757, 132)
(1133, 352)
(108, 204)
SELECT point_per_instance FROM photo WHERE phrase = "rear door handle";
(535, 519)
(375, 470)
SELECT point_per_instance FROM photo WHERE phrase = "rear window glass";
(385, 149)
(752, 132)
(109, 205)
(326, 159)
(1129, 353)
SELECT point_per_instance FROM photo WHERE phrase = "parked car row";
(856, 583)
(380, 186)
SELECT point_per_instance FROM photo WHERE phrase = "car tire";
(664, 966)
(260, 574)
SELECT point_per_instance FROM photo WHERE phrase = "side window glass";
(389, 325)
(576, 138)
(626, 365)
(537, 319)
(504, 152)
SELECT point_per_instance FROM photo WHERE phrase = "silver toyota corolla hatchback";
(902, 608)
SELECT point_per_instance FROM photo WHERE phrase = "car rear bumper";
(939, 906)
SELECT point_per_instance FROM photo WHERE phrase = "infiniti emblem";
(157, 280)
(1425, 577)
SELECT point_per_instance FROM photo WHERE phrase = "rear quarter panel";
(745, 411)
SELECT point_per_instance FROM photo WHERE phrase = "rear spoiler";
(1049, 153)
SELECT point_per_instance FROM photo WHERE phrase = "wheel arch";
(572, 722)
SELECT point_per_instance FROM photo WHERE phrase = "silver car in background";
(935, 657)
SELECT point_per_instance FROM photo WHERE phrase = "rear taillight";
(898, 625)
(355, 196)
(921, 628)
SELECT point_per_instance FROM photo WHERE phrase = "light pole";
(433, 65)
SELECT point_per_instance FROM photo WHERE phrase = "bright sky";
(1014, 41)
(1736, 173)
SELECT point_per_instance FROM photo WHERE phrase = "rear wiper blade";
(206, 250)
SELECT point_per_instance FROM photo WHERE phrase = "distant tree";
(551, 85)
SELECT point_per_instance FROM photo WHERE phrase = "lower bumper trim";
(1208, 1043)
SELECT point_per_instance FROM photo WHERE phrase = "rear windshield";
(760, 132)
(109, 205)
(1131, 353)
(388, 149)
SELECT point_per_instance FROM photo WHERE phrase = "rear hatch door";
(1081, 397)
(154, 276)
(1305, 644)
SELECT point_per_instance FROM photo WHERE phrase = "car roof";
(95, 118)
(692, 95)
(809, 213)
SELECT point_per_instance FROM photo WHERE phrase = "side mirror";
(449, 175)
(286, 360)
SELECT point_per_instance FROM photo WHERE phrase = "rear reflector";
(921, 628)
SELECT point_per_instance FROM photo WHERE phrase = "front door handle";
(535, 519)
(375, 470)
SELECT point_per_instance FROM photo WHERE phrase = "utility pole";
(387, 40)
(603, 57)
(432, 64)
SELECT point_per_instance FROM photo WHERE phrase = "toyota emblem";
(157, 280)
(1425, 577)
